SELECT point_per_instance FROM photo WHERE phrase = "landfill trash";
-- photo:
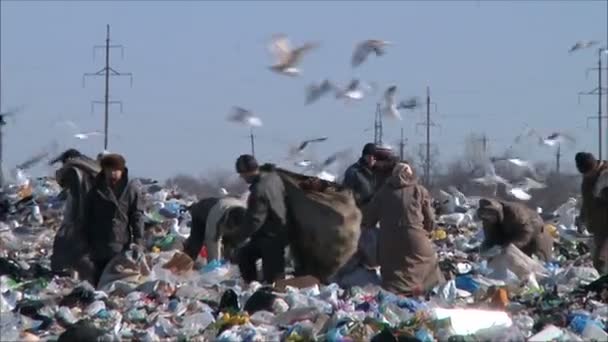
(159, 293)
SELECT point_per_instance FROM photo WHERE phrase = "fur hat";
(246, 163)
(585, 162)
(113, 161)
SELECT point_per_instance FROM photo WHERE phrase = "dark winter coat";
(113, 222)
(594, 213)
(362, 181)
(407, 258)
(266, 209)
(517, 225)
(76, 177)
(199, 212)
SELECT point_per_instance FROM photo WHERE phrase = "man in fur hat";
(265, 225)
(76, 176)
(360, 177)
(114, 213)
(513, 223)
(594, 210)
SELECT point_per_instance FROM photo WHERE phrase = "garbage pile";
(502, 295)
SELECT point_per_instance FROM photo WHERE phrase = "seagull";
(557, 138)
(411, 103)
(355, 90)
(79, 134)
(363, 49)
(84, 136)
(287, 58)
(11, 112)
(583, 44)
(223, 192)
(518, 162)
(521, 189)
(316, 90)
(390, 104)
(305, 144)
(490, 177)
(244, 116)
(303, 163)
(553, 139)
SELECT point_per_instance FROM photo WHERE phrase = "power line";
(558, 156)
(599, 91)
(402, 143)
(107, 71)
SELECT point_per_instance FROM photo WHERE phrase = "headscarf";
(402, 174)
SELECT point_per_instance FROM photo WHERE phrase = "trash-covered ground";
(502, 295)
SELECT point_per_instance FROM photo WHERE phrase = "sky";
(492, 67)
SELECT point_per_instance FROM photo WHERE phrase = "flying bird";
(524, 164)
(355, 90)
(305, 143)
(521, 190)
(390, 103)
(583, 44)
(87, 135)
(553, 139)
(365, 48)
(557, 138)
(411, 103)
(490, 177)
(317, 90)
(78, 134)
(303, 163)
(286, 57)
(244, 116)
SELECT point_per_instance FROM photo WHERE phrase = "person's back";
(75, 177)
(406, 255)
(594, 209)
(516, 224)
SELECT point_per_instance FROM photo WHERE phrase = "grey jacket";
(266, 209)
(113, 222)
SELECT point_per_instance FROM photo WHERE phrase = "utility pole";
(107, 71)
(252, 140)
(402, 145)
(378, 134)
(599, 91)
(428, 124)
(558, 156)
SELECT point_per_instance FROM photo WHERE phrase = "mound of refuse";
(500, 295)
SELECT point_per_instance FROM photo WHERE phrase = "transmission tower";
(598, 91)
(378, 134)
(252, 141)
(107, 71)
(558, 156)
(428, 123)
(402, 143)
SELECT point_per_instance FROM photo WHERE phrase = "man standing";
(265, 222)
(360, 177)
(594, 211)
(76, 177)
(114, 213)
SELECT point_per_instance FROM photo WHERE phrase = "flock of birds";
(287, 61)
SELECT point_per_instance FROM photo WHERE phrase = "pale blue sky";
(504, 63)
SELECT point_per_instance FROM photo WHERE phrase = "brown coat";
(408, 261)
(594, 213)
(519, 225)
